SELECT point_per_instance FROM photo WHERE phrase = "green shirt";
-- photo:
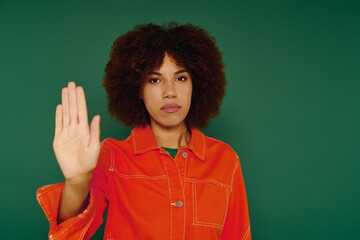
(172, 151)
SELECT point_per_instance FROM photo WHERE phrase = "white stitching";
(207, 224)
(169, 194)
(80, 216)
(47, 212)
(204, 224)
(112, 162)
(40, 196)
(223, 143)
(64, 230)
(87, 226)
(193, 195)
(180, 178)
(145, 149)
(202, 156)
(247, 233)
(140, 176)
(209, 181)
(227, 205)
(237, 164)
(183, 187)
(196, 153)
(142, 150)
(46, 189)
(185, 204)
(204, 150)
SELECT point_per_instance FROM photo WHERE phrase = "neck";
(171, 137)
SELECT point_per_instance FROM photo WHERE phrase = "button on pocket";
(210, 204)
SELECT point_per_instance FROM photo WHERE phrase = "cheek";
(189, 94)
(150, 98)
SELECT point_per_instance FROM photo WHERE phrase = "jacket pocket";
(210, 204)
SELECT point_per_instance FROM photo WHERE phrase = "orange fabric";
(149, 195)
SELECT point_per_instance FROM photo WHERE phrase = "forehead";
(169, 62)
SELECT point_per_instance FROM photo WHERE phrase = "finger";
(58, 120)
(81, 103)
(73, 103)
(95, 131)
(65, 107)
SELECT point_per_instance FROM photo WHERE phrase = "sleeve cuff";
(73, 228)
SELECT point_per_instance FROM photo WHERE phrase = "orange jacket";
(149, 195)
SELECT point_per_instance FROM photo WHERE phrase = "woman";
(167, 180)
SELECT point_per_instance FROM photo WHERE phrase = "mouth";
(170, 108)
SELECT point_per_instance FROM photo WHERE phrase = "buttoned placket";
(176, 169)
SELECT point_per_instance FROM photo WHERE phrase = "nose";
(169, 90)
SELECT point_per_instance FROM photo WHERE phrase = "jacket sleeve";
(237, 222)
(84, 225)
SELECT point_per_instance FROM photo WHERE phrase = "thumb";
(95, 130)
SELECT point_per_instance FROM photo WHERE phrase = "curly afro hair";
(138, 52)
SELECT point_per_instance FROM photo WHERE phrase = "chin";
(169, 123)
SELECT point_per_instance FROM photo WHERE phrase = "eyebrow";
(159, 74)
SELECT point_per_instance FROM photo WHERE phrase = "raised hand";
(76, 145)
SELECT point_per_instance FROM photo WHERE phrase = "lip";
(170, 108)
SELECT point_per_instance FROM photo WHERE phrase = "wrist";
(82, 180)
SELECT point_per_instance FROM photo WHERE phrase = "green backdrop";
(291, 111)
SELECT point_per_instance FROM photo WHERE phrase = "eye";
(182, 78)
(152, 80)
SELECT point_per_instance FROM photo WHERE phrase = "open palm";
(76, 144)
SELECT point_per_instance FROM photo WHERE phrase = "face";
(167, 94)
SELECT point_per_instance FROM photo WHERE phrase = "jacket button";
(184, 154)
(179, 203)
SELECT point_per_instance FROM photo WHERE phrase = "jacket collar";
(143, 140)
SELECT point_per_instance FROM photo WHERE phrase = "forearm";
(73, 199)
